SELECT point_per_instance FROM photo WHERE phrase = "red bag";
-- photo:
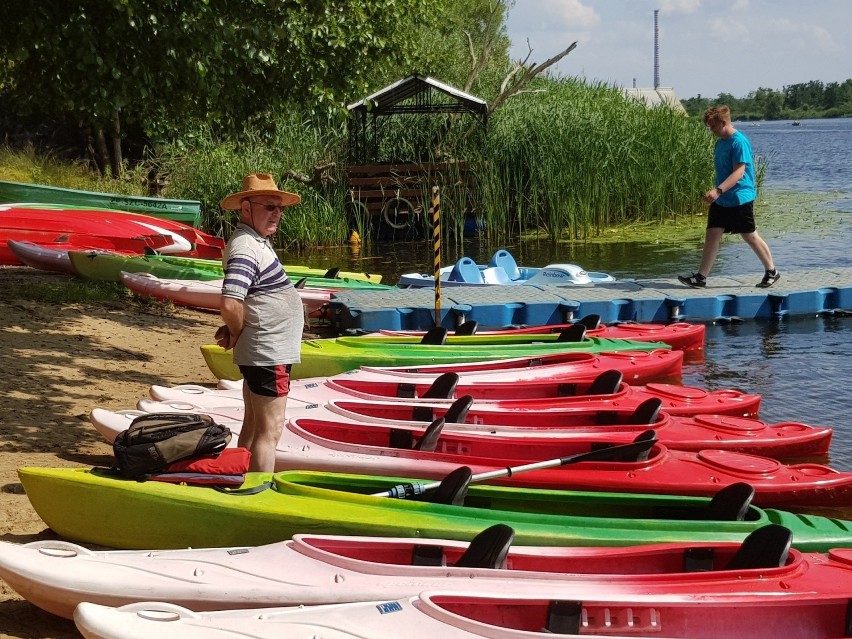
(231, 461)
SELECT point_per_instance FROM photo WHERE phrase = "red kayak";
(100, 229)
(737, 434)
(517, 390)
(638, 367)
(432, 453)
(678, 335)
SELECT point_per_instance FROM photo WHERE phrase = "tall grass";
(573, 159)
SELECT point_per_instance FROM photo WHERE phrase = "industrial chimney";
(656, 49)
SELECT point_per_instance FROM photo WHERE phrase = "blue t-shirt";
(726, 155)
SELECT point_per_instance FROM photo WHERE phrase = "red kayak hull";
(781, 440)
(670, 472)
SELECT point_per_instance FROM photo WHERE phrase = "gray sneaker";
(696, 280)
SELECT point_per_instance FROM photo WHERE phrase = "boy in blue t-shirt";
(732, 200)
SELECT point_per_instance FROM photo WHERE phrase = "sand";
(59, 361)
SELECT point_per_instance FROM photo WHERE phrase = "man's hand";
(223, 336)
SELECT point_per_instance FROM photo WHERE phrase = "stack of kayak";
(491, 484)
(69, 229)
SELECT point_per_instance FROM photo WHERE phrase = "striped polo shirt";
(274, 318)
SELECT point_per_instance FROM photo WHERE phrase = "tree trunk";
(117, 160)
(101, 147)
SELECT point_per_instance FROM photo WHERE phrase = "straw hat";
(259, 184)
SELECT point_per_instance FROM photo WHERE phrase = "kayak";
(780, 440)
(678, 335)
(454, 615)
(109, 266)
(294, 270)
(379, 387)
(516, 391)
(323, 569)
(186, 211)
(739, 434)
(206, 294)
(151, 514)
(326, 357)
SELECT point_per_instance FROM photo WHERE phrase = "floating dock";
(725, 299)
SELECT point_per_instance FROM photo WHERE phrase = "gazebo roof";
(420, 94)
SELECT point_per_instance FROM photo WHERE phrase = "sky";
(706, 48)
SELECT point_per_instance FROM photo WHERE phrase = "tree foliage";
(162, 64)
(806, 99)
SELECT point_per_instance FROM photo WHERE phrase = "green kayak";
(326, 357)
(186, 211)
(293, 270)
(102, 265)
(83, 506)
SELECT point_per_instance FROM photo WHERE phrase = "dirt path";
(59, 362)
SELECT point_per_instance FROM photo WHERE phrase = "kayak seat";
(506, 261)
(435, 336)
(495, 275)
(443, 387)
(332, 273)
(766, 547)
(607, 383)
(453, 488)
(591, 322)
(301, 283)
(467, 328)
(426, 555)
(457, 412)
(563, 617)
(467, 271)
(400, 439)
(574, 333)
(699, 559)
(731, 503)
(647, 412)
(429, 441)
(488, 549)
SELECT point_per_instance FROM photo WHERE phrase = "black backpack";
(154, 441)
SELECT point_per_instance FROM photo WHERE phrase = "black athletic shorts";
(269, 381)
(734, 219)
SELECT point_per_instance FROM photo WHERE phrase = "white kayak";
(205, 294)
(322, 569)
(420, 617)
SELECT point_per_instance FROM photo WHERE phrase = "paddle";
(641, 444)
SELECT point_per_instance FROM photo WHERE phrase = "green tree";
(162, 64)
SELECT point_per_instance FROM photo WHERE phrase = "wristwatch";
(719, 190)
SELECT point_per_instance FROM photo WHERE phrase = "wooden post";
(436, 247)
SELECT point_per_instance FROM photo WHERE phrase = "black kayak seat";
(591, 322)
(467, 328)
(429, 441)
(766, 547)
(435, 336)
(647, 412)
(488, 549)
(574, 333)
(457, 412)
(646, 436)
(332, 273)
(563, 617)
(731, 503)
(607, 383)
(301, 283)
(453, 488)
(426, 555)
(443, 387)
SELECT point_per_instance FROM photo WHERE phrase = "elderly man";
(263, 314)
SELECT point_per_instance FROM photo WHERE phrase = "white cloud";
(804, 36)
(727, 31)
(679, 6)
(570, 13)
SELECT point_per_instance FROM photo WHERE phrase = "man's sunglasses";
(269, 208)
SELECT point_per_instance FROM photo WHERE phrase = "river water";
(800, 365)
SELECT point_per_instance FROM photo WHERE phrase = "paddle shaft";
(402, 491)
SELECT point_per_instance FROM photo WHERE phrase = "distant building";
(655, 97)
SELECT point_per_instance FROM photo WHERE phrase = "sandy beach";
(60, 361)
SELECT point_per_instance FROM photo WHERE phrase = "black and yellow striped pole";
(436, 247)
